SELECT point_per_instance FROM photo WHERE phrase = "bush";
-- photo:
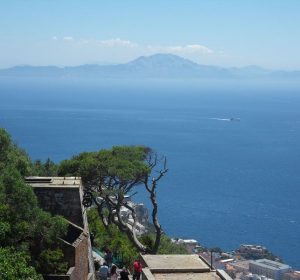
(15, 266)
(51, 262)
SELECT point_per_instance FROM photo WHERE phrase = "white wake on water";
(219, 119)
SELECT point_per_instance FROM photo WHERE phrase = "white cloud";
(191, 49)
(117, 42)
(54, 38)
(194, 49)
(68, 38)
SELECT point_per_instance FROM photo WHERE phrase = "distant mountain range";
(161, 66)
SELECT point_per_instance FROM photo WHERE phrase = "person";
(108, 258)
(124, 274)
(92, 237)
(113, 272)
(137, 269)
(103, 271)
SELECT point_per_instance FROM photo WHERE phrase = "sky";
(216, 32)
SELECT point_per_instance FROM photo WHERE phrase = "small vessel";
(235, 119)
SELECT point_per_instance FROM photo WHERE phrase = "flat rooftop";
(270, 264)
(175, 263)
(241, 264)
(54, 182)
(189, 276)
(178, 267)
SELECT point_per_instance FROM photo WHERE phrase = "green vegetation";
(48, 168)
(51, 261)
(112, 174)
(119, 243)
(111, 238)
(14, 266)
(24, 227)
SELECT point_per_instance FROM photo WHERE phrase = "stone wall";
(64, 201)
(76, 255)
(81, 261)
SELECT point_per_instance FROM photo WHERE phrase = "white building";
(268, 268)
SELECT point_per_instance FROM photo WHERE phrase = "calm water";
(230, 182)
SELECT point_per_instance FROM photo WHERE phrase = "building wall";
(81, 262)
(76, 254)
(276, 274)
(64, 201)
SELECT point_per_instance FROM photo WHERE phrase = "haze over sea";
(230, 182)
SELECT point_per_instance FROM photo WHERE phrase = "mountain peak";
(163, 59)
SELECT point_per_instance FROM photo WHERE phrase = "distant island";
(158, 66)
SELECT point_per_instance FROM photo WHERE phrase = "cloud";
(68, 38)
(193, 49)
(190, 49)
(117, 42)
(54, 38)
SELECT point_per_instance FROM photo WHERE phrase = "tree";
(110, 175)
(13, 156)
(15, 266)
(48, 168)
(51, 262)
(111, 238)
(23, 225)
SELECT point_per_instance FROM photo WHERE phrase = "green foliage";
(49, 228)
(112, 238)
(21, 218)
(18, 204)
(126, 163)
(119, 243)
(50, 262)
(11, 155)
(23, 225)
(166, 245)
(112, 174)
(48, 168)
(15, 266)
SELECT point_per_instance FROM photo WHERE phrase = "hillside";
(162, 66)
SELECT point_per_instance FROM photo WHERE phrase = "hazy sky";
(218, 32)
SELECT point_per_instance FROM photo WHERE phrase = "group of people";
(109, 270)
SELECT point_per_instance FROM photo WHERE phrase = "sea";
(232, 148)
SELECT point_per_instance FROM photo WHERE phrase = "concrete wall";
(81, 261)
(63, 201)
(276, 274)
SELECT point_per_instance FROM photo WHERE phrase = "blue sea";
(229, 182)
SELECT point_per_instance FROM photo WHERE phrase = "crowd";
(108, 270)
